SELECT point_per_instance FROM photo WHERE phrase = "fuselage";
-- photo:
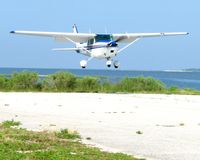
(101, 47)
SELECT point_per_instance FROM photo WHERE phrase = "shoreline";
(170, 124)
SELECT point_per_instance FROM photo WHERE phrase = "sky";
(127, 16)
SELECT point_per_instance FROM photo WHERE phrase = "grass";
(21, 144)
(12, 123)
(66, 134)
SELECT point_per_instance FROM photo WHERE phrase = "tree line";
(67, 82)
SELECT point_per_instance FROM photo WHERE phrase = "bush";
(107, 87)
(3, 83)
(140, 84)
(174, 89)
(67, 82)
(24, 81)
(88, 84)
(60, 81)
(11, 123)
(66, 134)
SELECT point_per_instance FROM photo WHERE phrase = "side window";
(91, 41)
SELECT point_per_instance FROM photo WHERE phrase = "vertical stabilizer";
(75, 30)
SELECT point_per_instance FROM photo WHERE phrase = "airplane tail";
(75, 29)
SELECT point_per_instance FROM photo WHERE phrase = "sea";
(181, 79)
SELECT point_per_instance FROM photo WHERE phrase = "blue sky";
(89, 15)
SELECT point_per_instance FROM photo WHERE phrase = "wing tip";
(12, 32)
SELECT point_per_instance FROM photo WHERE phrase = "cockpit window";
(103, 38)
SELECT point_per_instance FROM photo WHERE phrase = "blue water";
(179, 79)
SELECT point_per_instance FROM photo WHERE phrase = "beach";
(153, 126)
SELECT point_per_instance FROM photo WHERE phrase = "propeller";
(114, 43)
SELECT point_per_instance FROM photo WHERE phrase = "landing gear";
(109, 63)
(83, 64)
(116, 64)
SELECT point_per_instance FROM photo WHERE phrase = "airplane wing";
(130, 37)
(60, 36)
(84, 37)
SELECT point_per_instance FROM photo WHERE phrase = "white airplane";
(100, 46)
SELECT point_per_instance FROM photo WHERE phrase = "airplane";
(100, 46)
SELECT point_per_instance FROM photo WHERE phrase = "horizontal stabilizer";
(65, 49)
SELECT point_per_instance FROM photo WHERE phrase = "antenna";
(90, 31)
(106, 30)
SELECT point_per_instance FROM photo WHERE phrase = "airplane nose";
(113, 44)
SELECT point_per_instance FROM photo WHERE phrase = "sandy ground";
(170, 124)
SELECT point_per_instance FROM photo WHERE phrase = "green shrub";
(24, 81)
(11, 123)
(67, 82)
(189, 91)
(174, 89)
(107, 87)
(140, 84)
(66, 134)
(3, 83)
(88, 84)
(60, 81)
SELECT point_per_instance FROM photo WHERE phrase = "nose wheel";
(116, 64)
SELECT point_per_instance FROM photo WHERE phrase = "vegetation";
(20, 144)
(12, 123)
(66, 134)
(24, 81)
(59, 82)
(140, 84)
(4, 82)
(67, 82)
(88, 84)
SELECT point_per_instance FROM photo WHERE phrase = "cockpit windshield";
(103, 38)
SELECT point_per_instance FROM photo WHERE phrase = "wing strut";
(78, 48)
(128, 45)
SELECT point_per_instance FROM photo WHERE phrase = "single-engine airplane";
(100, 46)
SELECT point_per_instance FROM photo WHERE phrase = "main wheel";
(83, 64)
(116, 64)
(109, 63)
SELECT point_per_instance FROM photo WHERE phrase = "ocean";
(170, 78)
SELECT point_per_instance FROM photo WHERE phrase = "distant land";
(184, 70)
(192, 70)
